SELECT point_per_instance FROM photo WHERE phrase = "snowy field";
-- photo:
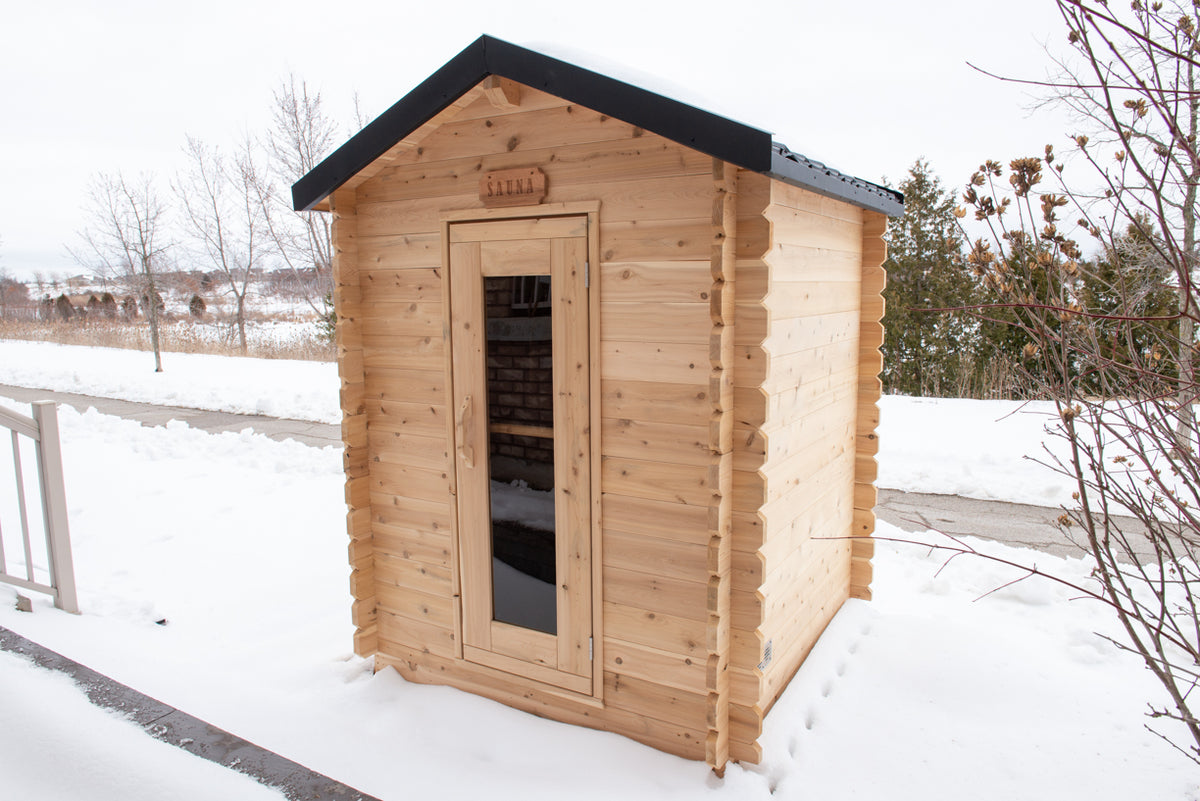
(271, 333)
(921, 439)
(300, 390)
(238, 543)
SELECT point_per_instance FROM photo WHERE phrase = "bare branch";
(125, 237)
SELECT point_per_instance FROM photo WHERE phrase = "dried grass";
(175, 337)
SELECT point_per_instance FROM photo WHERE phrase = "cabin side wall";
(657, 474)
(798, 375)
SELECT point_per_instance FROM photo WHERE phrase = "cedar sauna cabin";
(609, 379)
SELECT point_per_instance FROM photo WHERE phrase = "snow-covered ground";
(272, 333)
(300, 390)
(922, 440)
(56, 745)
(237, 542)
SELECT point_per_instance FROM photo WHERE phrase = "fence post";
(54, 506)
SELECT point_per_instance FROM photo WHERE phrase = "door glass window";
(520, 381)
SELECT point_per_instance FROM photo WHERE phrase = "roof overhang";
(717, 136)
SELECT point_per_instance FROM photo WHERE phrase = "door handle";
(465, 431)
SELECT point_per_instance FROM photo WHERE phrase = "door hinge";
(587, 275)
(590, 656)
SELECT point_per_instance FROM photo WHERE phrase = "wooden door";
(521, 384)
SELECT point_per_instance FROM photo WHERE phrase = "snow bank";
(299, 390)
(939, 695)
(57, 745)
(977, 449)
(238, 543)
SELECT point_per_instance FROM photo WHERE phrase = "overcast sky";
(866, 87)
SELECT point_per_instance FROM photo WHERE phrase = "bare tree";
(1120, 373)
(301, 135)
(1113, 382)
(125, 236)
(14, 295)
(1133, 85)
(224, 218)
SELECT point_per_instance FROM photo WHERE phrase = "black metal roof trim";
(816, 177)
(719, 137)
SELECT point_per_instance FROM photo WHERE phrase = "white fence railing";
(42, 429)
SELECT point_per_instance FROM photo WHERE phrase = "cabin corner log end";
(871, 335)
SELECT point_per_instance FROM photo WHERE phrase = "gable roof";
(717, 136)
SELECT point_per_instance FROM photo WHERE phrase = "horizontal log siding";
(797, 383)
(657, 477)
(816, 278)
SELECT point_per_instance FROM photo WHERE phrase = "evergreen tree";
(197, 306)
(927, 351)
(64, 308)
(108, 305)
(1130, 280)
(1002, 343)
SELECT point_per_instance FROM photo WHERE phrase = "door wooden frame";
(486, 660)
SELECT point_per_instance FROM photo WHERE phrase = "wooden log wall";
(750, 412)
(655, 278)
(726, 450)
(797, 384)
(870, 388)
(348, 338)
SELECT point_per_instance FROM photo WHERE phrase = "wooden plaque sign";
(521, 187)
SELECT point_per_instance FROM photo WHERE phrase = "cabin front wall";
(653, 276)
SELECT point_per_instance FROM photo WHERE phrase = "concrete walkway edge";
(181, 730)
